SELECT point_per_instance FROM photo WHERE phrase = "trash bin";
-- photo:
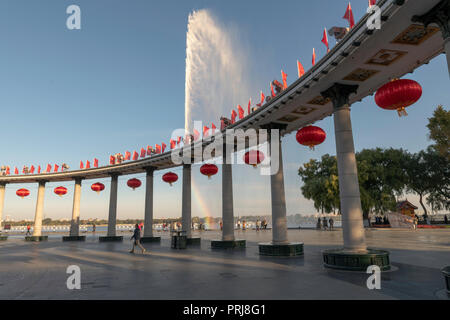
(446, 273)
(179, 240)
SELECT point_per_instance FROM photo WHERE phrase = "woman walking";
(137, 239)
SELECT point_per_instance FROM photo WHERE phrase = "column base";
(150, 239)
(73, 238)
(110, 238)
(228, 244)
(292, 249)
(3, 238)
(194, 241)
(36, 238)
(346, 260)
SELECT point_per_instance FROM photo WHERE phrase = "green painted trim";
(3, 238)
(194, 241)
(36, 238)
(228, 244)
(344, 260)
(110, 238)
(74, 238)
(283, 250)
(150, 239)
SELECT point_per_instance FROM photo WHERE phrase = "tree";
(439, 126)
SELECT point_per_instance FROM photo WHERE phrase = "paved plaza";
(109, 271)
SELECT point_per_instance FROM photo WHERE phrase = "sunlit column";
(2, 202)
(113, 206)
(37, 230)
(75, 223)
(186, 200)
(148, 223)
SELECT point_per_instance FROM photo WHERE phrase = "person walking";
(331, 221)
(325, 223)
(137, 239)
(264, 224)
(319, 224)
(28, 231)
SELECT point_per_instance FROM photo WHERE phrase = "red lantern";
(398, 94)
(209, 169)
(60, 191)
(23, 193)
(254, 157)
(134, 183)
(170, 177)
(97, 187)
(310, 136)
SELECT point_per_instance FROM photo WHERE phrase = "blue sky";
(118, 84)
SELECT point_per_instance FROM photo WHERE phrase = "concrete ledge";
(194, 241)
(3, 238)
(36, 238)
(228, 244)
(150, 239)
(346, 260)
(110, 238)
(73, 238)
(281, 250)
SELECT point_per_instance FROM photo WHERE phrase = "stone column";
(352, 217)
(440, 14)
(279, 220)
(227, 202)
(37, 230)
(148, 223)
(186, 200)
(75, 223)
(113, 206)
(2, 203)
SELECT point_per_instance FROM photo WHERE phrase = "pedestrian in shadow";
(137, 239)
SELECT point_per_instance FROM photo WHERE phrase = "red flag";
(56, 168)
(196, 135)
(249, 107)
(112, 161)
(262, 99)
(314, 57)
(213, 128)
(173, 144)
(301, 70)
(149, 150)
(39, 169)
(372, 3)
(325, 39)
(178, 140)
(88, 164)
(95, 163)
(241, 112)
(8, 172)
(349, 16)
(16, 171)
(82, 165)
(158, 148)
(49, 168)
(135, 155)
(222, 124)
(233, 116)
(271, 90)
(32, 169)
(23, 170)
(284, 77)
(205, 131)
(127, 155)
(143, 153)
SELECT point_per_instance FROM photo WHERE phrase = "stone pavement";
(109, 271)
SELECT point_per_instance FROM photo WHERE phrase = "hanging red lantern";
(209, 169)
(170, 177)
(97, 187)
(134, 183)
(398, 94)
(60, 191)
(254, 157)
(23, 193)
(310, 136)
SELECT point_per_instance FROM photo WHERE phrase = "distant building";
(406, 208)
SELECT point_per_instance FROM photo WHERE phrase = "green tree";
(439, 126)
